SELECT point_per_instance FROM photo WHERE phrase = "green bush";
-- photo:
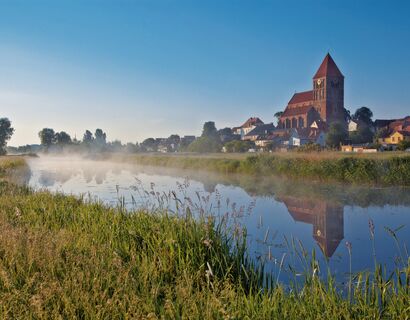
(403, 145)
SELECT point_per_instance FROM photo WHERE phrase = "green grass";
(379, 169)
(61, 257)
(10, 164)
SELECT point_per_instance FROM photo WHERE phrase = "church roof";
(290, 112)
(300, 97)
(328, 68)
(328, 246)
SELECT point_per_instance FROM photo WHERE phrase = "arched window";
(301, 122)
(294, 123)
(287, 123)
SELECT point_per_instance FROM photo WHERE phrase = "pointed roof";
(296, 111)
(328, 68)
(253, 121)
(300, 97)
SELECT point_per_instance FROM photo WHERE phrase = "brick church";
(325, 103)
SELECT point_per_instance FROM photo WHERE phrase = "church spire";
(328, 68)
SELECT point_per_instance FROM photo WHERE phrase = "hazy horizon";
(140, 69)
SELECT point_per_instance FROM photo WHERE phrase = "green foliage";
(208, 142)
(47, 137)
(363, 135)
(88, 137)
(209, 130)
(403, 145)
(392, 170)
(205, 144)
(336, 135)
(239, 146)
(64, 258)
(380, 133)
(364, 115)
(310, 147)
(278, 114)
(62, 138)
(149, 144)
(6, 131)
(100, 137)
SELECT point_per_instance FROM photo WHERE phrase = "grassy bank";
(9, 165)
(61, 257)
(379, 169)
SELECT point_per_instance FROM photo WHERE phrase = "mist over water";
(274, 211)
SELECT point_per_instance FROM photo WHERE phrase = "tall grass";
(66, 257)
(355, 169)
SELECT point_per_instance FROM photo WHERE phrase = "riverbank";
(386, 169)
(63, 256)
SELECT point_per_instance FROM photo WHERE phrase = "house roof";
(308, 133)
(328, 68)
(254, 121)
(264, 129)
(296, 111)
(300, 97)
(380, 123)
(404, 133)
(319, 124)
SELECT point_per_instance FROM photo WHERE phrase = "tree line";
(210, 140)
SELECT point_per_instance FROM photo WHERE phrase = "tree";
(336, 135)
(6, 131)
(209, 141)
(209, 129)
(278, 114)
(226, 135)
(363, 135)
(116, 146)
(47, 137)
(205, 144)
(88, 137)
(364, 115)
(62, 138)
(131, 148)
(100, 137)
(149, 144)
(239, 146)
(346, 115)
(403, 145)
(380, 134)
(174, 139)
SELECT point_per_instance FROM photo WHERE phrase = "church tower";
(328, 91)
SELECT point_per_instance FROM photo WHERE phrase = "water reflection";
(326, 219)
(318, 214)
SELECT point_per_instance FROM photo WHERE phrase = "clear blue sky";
(153, 68)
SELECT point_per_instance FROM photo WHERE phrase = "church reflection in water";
(326, 219)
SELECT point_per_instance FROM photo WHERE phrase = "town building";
(395, 137)
(260, 131)
(247, 127)
(325, 102)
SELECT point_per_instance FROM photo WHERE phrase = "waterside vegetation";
(384, 169)
(67, 257)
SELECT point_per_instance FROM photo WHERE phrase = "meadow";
(388, 169)
(67, 257)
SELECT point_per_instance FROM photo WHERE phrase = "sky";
(152, 68)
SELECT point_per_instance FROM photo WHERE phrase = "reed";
(384, 169)
(71, 258)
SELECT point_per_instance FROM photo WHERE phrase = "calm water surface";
(274, 211)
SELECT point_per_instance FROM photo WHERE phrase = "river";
(280, 216)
